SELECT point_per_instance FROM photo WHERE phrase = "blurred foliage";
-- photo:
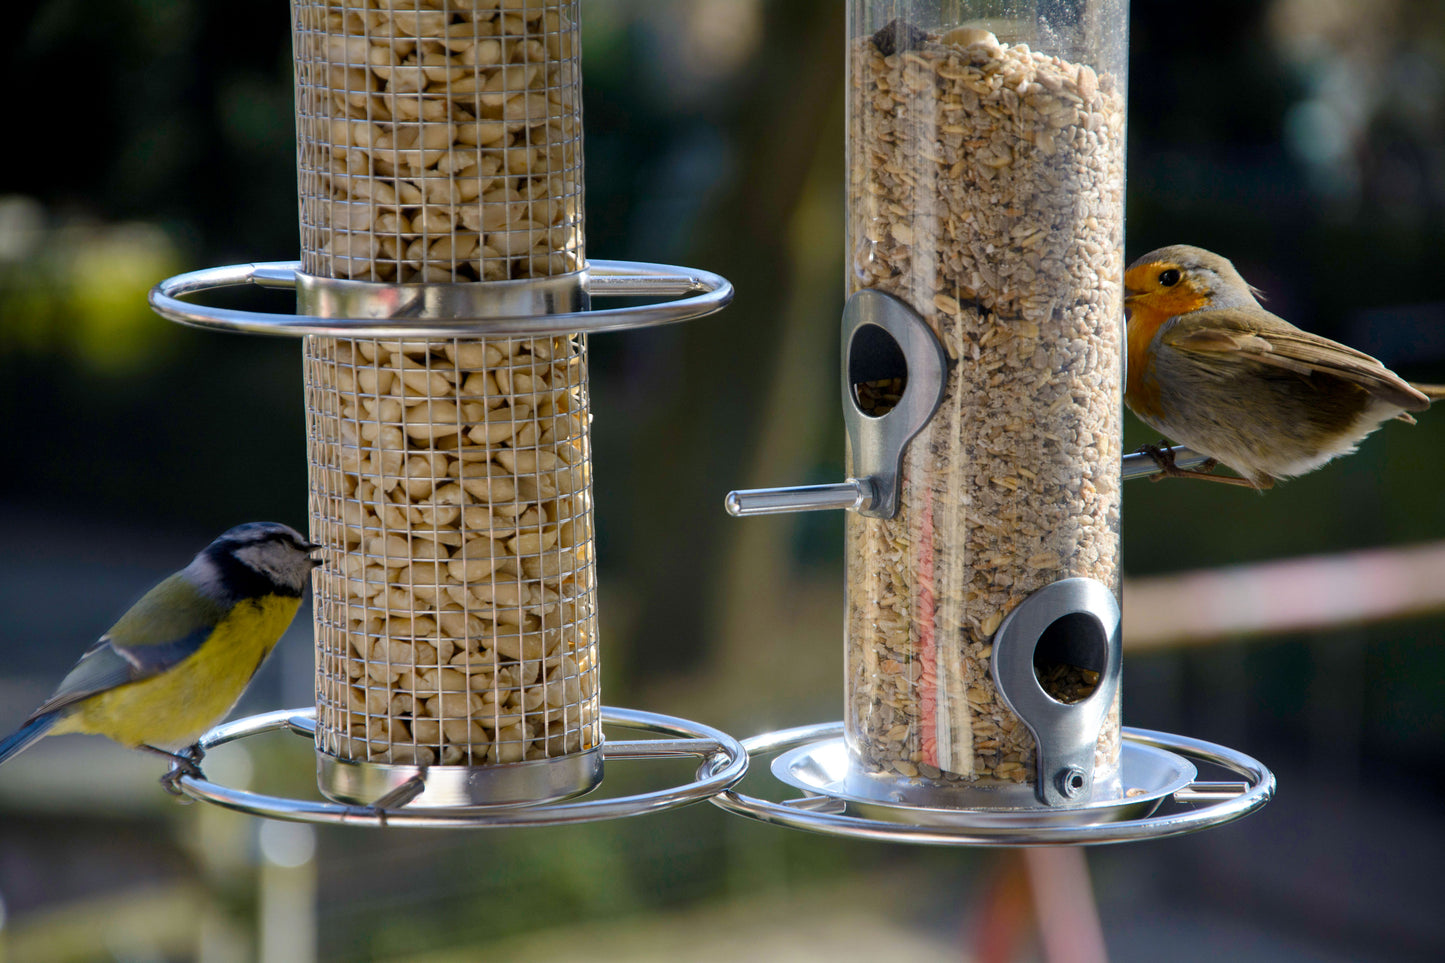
(69, 292)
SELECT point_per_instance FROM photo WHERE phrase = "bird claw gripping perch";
(1165, 458)
(187, 762)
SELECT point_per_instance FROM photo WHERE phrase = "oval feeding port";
(877, 370)
(1070, 657)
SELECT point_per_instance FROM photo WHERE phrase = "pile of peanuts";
(440, 140)
(455, 614)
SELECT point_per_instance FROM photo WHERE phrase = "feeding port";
(981, 389)
(445, 300)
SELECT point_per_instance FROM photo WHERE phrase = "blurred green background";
(1305, 139)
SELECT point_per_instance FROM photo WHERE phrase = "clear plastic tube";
(986, 189)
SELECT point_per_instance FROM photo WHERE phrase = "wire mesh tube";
(986, 176)
(450, 482)
(439, 141)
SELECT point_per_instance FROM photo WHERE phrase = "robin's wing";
(107, 664)
(1271, 341)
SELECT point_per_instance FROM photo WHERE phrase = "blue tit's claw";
(170, 782)
(187, 762)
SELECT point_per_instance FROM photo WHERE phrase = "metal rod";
(1207, 792)
(1141, 464)
(859, 493)
(853, 494)
(659, 748)
(402, 794)
(817, 804)
(644, 285)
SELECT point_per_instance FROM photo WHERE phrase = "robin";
(1214, 371)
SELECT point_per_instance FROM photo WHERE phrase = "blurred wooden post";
(286, 912)
(1068, 918)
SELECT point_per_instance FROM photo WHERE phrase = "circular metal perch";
(696, 293)
(725, 761)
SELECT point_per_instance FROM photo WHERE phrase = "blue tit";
(177, 662)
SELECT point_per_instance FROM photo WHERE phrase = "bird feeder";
(445, 298)
(981, 375)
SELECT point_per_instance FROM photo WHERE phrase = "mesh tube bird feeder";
(445, 301)
(451, 478)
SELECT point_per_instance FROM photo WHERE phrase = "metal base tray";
(1148, 776)
(812, 765)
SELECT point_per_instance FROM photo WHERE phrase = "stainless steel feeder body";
(440, 166)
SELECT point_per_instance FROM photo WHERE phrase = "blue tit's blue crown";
(251, 533)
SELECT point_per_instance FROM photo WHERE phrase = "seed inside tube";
(985, 188)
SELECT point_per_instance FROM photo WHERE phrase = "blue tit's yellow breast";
(172, 709)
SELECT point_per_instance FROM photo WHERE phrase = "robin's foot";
(187, 762)
(1163, 456)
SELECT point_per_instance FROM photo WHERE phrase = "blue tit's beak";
(313, 547)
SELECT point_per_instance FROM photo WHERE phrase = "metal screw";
(1072, 782)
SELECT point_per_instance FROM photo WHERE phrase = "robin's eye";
(1169, 278)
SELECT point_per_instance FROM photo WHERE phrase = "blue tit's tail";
(27, 734)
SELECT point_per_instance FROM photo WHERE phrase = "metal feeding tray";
(1162, 796)
(1149, 776)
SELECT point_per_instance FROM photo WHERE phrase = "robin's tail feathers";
(26, 734)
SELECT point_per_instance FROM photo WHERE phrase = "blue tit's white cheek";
(283, 564)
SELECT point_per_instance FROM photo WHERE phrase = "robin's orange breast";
(1147, 313)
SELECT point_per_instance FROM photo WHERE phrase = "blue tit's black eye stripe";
(241, 581)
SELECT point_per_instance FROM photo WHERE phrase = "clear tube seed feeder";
(445, 299)
(981, 377)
